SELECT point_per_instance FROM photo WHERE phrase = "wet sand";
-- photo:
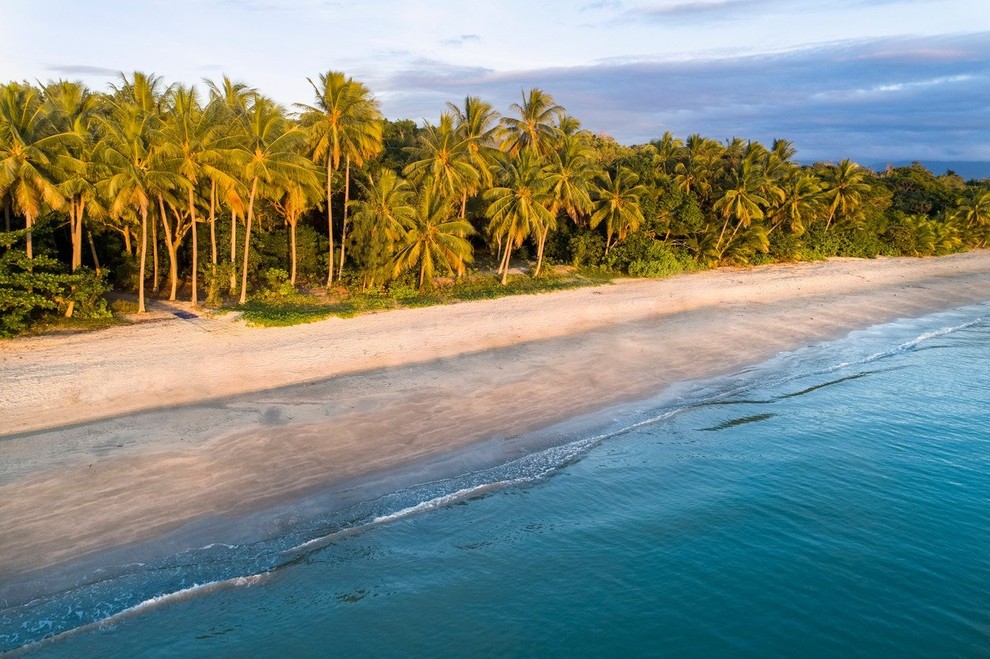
(133, 433)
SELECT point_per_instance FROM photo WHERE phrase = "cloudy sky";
(875, 80)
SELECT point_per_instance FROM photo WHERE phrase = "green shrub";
(276, 285)
(587, 248)
(33, 290)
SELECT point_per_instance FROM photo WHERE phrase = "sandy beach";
(128, 434)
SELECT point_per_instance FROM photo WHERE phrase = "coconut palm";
(616, 202)
(570, 176)
(296, 196)
(477, 123)
(193, 139)
(271, 154)
(382, 218)
(745, 201)
(534, 128)
(844, 187)
(72, 109)
(29, 150)
(442, 160)
(800, 203)
(129, 150)
(344, 123)
(230, 101)
(974, 212)
(519, 205)
(435, 237)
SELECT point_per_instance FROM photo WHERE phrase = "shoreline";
(486, 374)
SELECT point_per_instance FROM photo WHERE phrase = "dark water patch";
(732, 423)
(825, 384)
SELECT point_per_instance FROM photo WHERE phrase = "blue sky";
(875, 80)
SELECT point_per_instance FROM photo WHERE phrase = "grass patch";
(62, 325)
(272, 310)
(265, 313)
(489, 288)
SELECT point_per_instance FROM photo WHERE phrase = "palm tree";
(436, 237)
(344, 123)
(72, 109)
(745, 201)
(129, 150)
(29, 151)
(193, 140)
(271, 156)
(975, 212)
(534, 128)
(230, 101)
(443, 160)
(383, 217)
(843, 191)
(570, 176)
(693, 174)
(799, 204)
(616, 202)
(519, 205)
(295, 198)
(477, 123)
(667, 147)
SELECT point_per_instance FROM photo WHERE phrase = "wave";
(151, 604)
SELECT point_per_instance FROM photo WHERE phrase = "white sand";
(227, 435)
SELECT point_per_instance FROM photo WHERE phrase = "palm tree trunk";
(213, 222)
(75, 229)
(154, 253)
(170, 247)
(233, 250)
(505, 260)
(144, 257)
(718, 243)
(92, 249)
(539, 250)
(343, 231)
(330, 216)
(194, 298)
(28, 223)
(247, 240)
(127, 241)
(464, 204)
(292, 247)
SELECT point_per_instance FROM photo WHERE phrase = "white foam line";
(154, 603)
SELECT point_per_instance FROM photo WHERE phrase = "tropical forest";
(148, 191)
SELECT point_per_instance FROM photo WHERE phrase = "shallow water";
(834, 501)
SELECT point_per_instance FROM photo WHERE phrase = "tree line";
(167, 189)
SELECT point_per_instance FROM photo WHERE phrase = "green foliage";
(486, 288)
(276, 285)
(264, 313)
(35, 290)
(216, 280)
(587, 248)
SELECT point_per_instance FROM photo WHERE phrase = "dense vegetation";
(215, 198)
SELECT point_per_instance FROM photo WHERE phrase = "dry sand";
(127, 434)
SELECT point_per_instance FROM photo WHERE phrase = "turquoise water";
(834, 501)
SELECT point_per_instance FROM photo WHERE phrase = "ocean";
(833, 501)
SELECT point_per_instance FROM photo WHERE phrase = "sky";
(873, 80)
